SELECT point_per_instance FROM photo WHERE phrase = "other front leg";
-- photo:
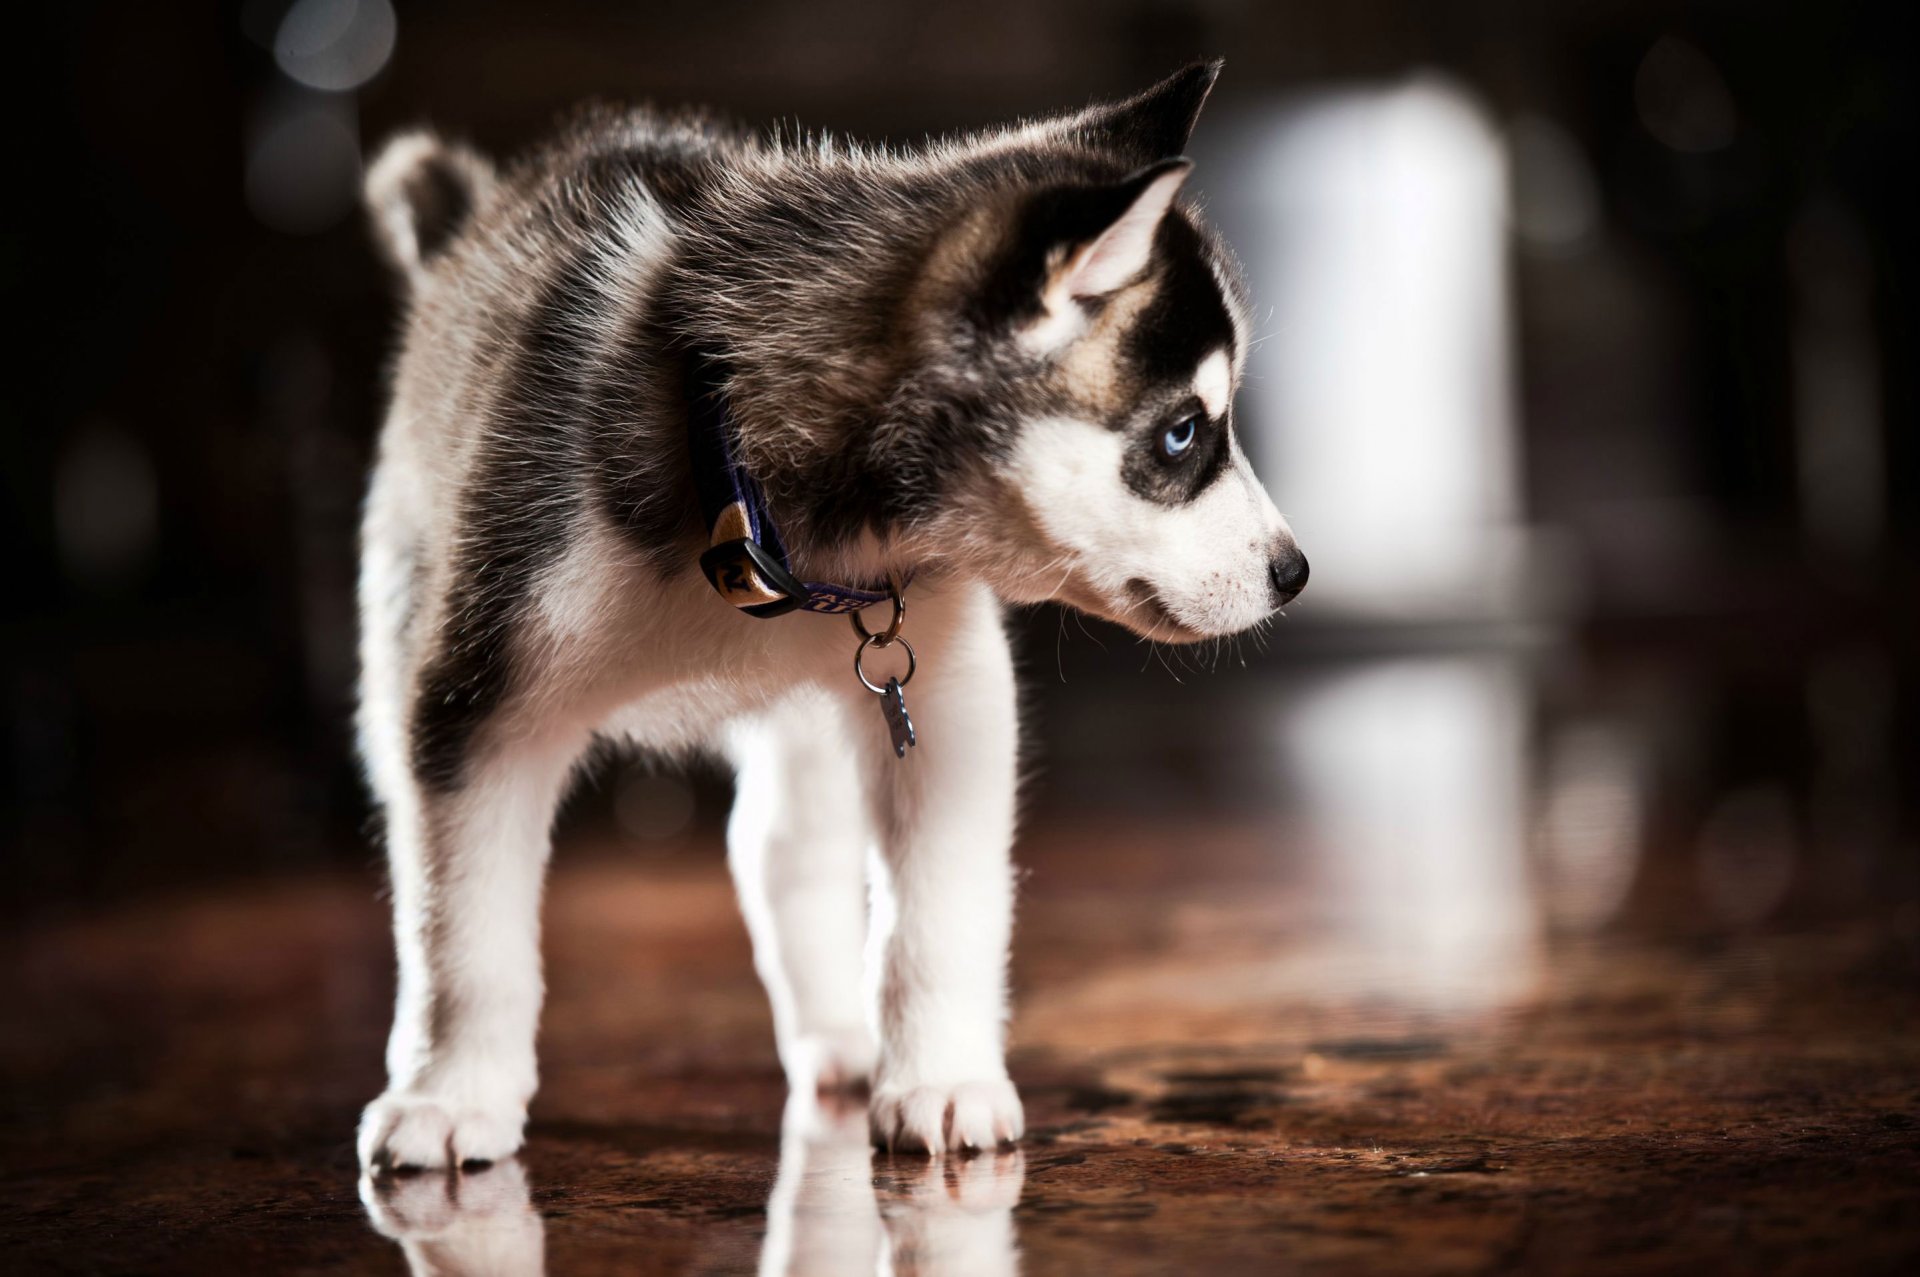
(944, 908)
(797, 842)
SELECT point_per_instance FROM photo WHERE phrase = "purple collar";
(745, 559)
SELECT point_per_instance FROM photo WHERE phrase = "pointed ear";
(1073, 242)
(1152, 125)
(1119, 252)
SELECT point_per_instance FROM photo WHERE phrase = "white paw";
(407, 1130)
(964, 1116)
(829, 1061)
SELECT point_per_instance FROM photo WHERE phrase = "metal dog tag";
(893, 707)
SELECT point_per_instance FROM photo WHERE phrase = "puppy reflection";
(836, 1208)
(473, 1224)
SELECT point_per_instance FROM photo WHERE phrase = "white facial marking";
(1061, 323)
(1204, 560)
(1213, 383)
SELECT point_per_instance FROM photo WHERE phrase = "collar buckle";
(752, 578)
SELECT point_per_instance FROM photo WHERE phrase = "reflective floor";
(1426, 964)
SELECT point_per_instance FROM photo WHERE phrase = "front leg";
(944, 905)
(468, 862)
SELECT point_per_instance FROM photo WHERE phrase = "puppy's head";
(1112, 322)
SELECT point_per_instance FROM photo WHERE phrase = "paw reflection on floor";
(836, 1207)
(476, 1223)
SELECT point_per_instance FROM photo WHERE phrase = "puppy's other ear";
(421, 191)
(1153, 125)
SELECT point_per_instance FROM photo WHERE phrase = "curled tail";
(421, 191)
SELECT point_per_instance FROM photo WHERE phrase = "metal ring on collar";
(892, 631)
(876, 640)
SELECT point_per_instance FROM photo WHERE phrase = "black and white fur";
(968, 360)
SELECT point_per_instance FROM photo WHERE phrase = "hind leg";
(797, 843)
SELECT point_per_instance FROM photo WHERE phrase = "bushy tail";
(421, 191)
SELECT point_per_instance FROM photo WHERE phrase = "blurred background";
(1582, 377)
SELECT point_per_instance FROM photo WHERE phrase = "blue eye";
(1175, 440)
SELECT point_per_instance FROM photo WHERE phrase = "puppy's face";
(1133, 490)
(1124, 491)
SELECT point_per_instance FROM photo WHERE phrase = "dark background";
(199, 369)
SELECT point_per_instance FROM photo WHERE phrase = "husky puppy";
(996, 369)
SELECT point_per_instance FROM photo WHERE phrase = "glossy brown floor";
(1219, 1078)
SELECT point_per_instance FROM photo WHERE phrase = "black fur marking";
(461, 688)
(678, 176)
(642, 477)
(677, 155)
(1175, 482)
(882, 484)
(1187, 319)
(520, 510)
(1156, 124)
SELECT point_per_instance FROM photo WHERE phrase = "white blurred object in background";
(1379, 404)
(1379, 397)
(1413, 776)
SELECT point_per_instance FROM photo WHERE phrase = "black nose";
(1289, 576)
